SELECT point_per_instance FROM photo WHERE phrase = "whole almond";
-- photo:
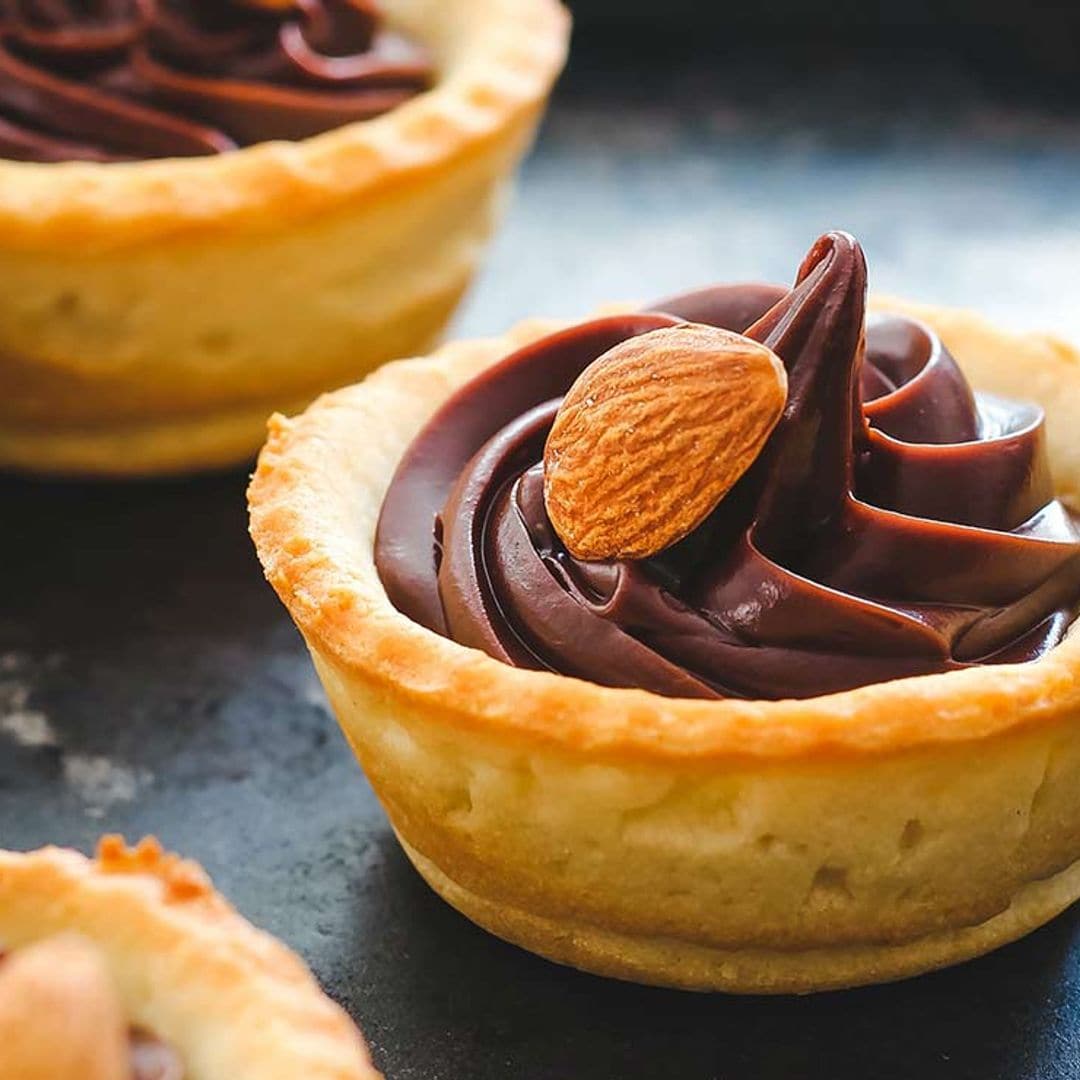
(653, 434)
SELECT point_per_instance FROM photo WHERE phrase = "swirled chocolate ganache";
(109, 80)
(895, 523)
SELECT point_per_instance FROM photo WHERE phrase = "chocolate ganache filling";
(895, 524)
(114, 80)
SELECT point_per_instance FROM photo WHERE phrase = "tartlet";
(132, 961)
(760, 846)
(156, 311)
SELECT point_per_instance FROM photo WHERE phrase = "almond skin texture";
(653, 434)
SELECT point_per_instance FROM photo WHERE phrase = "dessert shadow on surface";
(541, 1020)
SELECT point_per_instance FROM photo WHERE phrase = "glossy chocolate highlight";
(895, 524)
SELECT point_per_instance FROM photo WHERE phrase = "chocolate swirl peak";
(111, 80)
(895, 524)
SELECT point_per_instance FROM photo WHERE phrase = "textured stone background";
(150, 682)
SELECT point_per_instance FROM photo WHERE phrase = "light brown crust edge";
(314, 501)
(233, 1001)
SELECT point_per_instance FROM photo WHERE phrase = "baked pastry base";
(233, 1002)
(669, 962)
(159, 447)
(748, 846)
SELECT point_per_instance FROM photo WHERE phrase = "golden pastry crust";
(155, 313)
(233, 1002)
(837, 840)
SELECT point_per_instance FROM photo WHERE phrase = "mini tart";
(747, 846)
(155, 313)
(231, 1001)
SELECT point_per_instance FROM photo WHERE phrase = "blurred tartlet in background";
(210, 211)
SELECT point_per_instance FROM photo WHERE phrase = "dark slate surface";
(150, 682)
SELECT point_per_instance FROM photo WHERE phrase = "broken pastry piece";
(131, 967)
